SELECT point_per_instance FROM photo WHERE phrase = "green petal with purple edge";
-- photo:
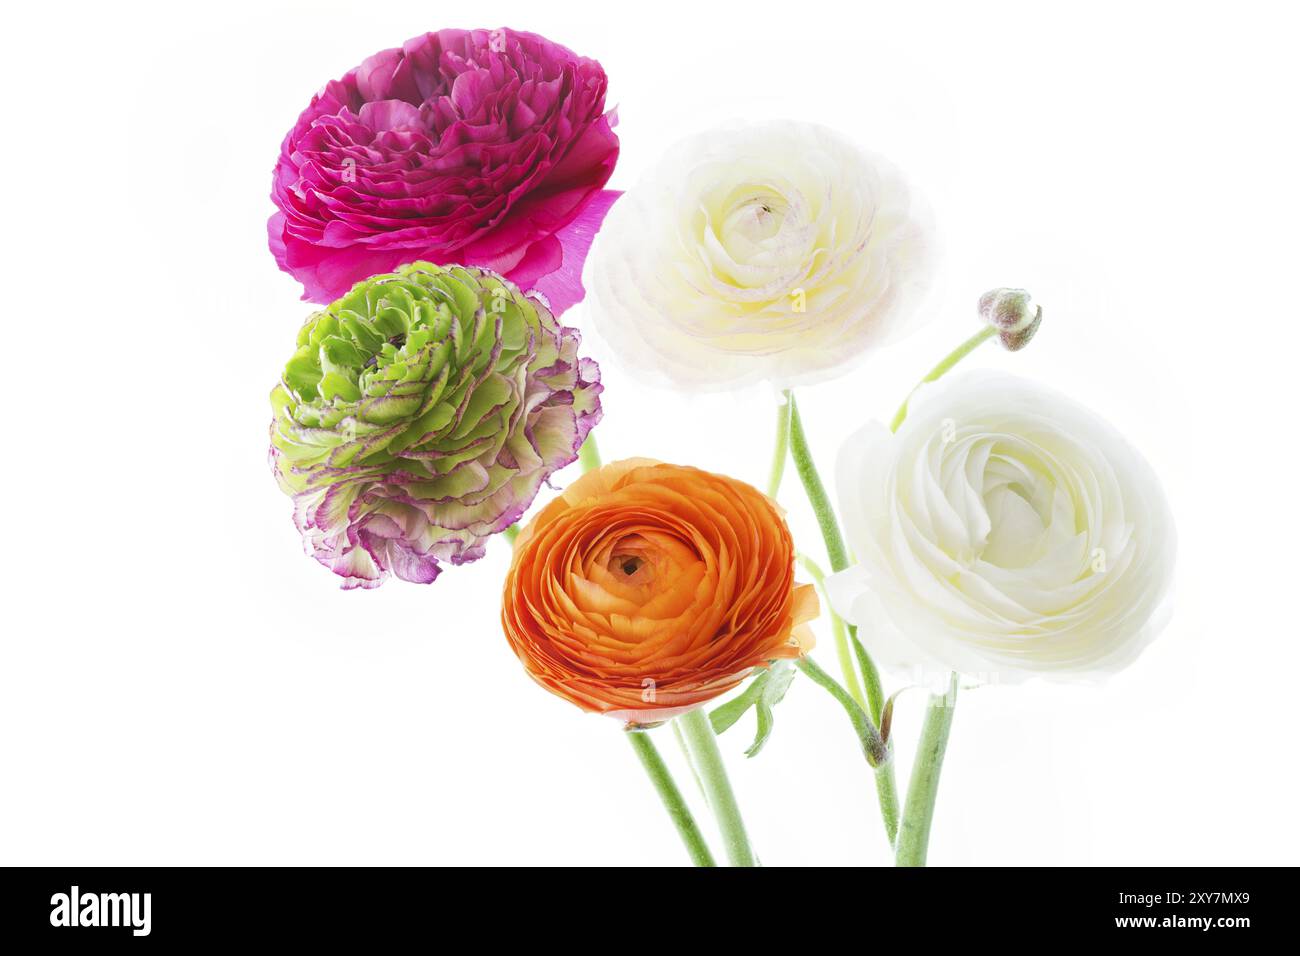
(420, 414)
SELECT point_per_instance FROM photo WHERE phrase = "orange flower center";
(633, 569)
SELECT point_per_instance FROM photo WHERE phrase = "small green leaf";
(764, 715)
(766, 691)
(779, 678)
(723, 717)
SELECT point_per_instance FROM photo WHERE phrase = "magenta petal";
(389, 114)
(543, 257)
(275, 238)
(472, 147)
(563, 287)
(326, 274)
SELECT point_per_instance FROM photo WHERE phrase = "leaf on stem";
(764, 692)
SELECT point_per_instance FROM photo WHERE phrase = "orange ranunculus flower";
(647, 589)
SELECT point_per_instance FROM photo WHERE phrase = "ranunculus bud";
(1013, 314)
(648, 589)
(420, 414)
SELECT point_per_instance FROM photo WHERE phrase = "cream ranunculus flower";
(1005, 531)
(778, 251)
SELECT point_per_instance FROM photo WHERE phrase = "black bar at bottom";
(377, 906)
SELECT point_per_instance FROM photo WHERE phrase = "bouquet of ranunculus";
(439, 202)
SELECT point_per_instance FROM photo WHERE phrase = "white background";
(179, 684)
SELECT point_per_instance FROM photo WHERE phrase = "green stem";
(589, 454)
(816, 491)
(886, 787)
(686, 752)
(887, 794)
(952, 358)
(871, 676)
(782, 448)
(835, 548)
(674, 803)
(879, 755)
(873, 747)
(707, 759)
(511, 533)
(914, 835)
(842, 652)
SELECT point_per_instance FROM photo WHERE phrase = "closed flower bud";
(1013, 313)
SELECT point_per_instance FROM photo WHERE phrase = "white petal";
(1005, 532)
(778, 251)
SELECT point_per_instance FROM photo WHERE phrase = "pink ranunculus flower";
(485, 148)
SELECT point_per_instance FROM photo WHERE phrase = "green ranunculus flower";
(420, 414)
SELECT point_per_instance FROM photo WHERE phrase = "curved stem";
(878, 753)
(914, 834)
(886, 787)
(674, 803)
(951, 359)
(707, 759)
(589, 454)
(835, 547)
(781, 450)
(816, 491)
(873, 747)
(841, 639)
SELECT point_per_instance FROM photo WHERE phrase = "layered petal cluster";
(420, 414)
(1005, 531)
(779, 251)
(482, 147)
(647, 589)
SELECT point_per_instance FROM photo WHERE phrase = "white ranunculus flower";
(1005, 531)
(779, 251)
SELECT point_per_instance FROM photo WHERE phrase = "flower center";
(756, 218)
(629, 564)
(396, 341)
(1028, 516)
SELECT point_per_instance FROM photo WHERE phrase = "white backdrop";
(179, 684)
